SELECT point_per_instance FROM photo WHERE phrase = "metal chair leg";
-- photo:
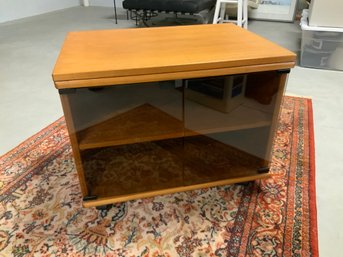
(115, 11)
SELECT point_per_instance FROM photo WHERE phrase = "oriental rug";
(41, 212)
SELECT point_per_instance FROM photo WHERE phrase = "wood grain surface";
(145, 51)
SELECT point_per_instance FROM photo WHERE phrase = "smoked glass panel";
(129, 136)
(150, 136)
(228, 125)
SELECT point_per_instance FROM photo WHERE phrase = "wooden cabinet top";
(93, 58)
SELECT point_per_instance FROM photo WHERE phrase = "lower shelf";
(116, 174)
(127, 197)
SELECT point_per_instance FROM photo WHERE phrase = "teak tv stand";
(161, 110)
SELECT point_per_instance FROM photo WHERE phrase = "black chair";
(144, 10)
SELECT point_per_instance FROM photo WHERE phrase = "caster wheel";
(96, 89)
(104, 207)
(243, 184)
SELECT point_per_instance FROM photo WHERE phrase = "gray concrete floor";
(29, 101)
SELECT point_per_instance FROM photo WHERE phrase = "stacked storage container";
(321, 46)
(326, 13)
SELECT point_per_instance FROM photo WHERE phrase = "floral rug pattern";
(41, 212)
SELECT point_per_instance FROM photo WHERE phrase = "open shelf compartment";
(141, 124)
(147, 123)
(132, 171)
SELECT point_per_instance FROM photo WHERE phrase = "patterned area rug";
(41, 213)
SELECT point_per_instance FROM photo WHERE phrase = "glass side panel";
(230, 119)
(128, 136)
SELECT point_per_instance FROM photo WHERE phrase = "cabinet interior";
(173, 134)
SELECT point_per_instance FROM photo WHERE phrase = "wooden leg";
(74, 142)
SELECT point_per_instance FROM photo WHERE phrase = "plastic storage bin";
(321, 47)
(326, 13)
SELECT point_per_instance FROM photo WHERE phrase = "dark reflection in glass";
(152, 136)
(134, 168)
(121, 133)
(233, 116)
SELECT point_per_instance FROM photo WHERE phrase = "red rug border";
(313, 204)
(31, 137)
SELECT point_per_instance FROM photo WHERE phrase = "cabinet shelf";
(140, 124)
(102, 200)
(139, 170)
(148, 123)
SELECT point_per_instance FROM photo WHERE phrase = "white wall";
(108, 3)
(17, 9)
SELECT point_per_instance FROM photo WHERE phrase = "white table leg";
(86, 3)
